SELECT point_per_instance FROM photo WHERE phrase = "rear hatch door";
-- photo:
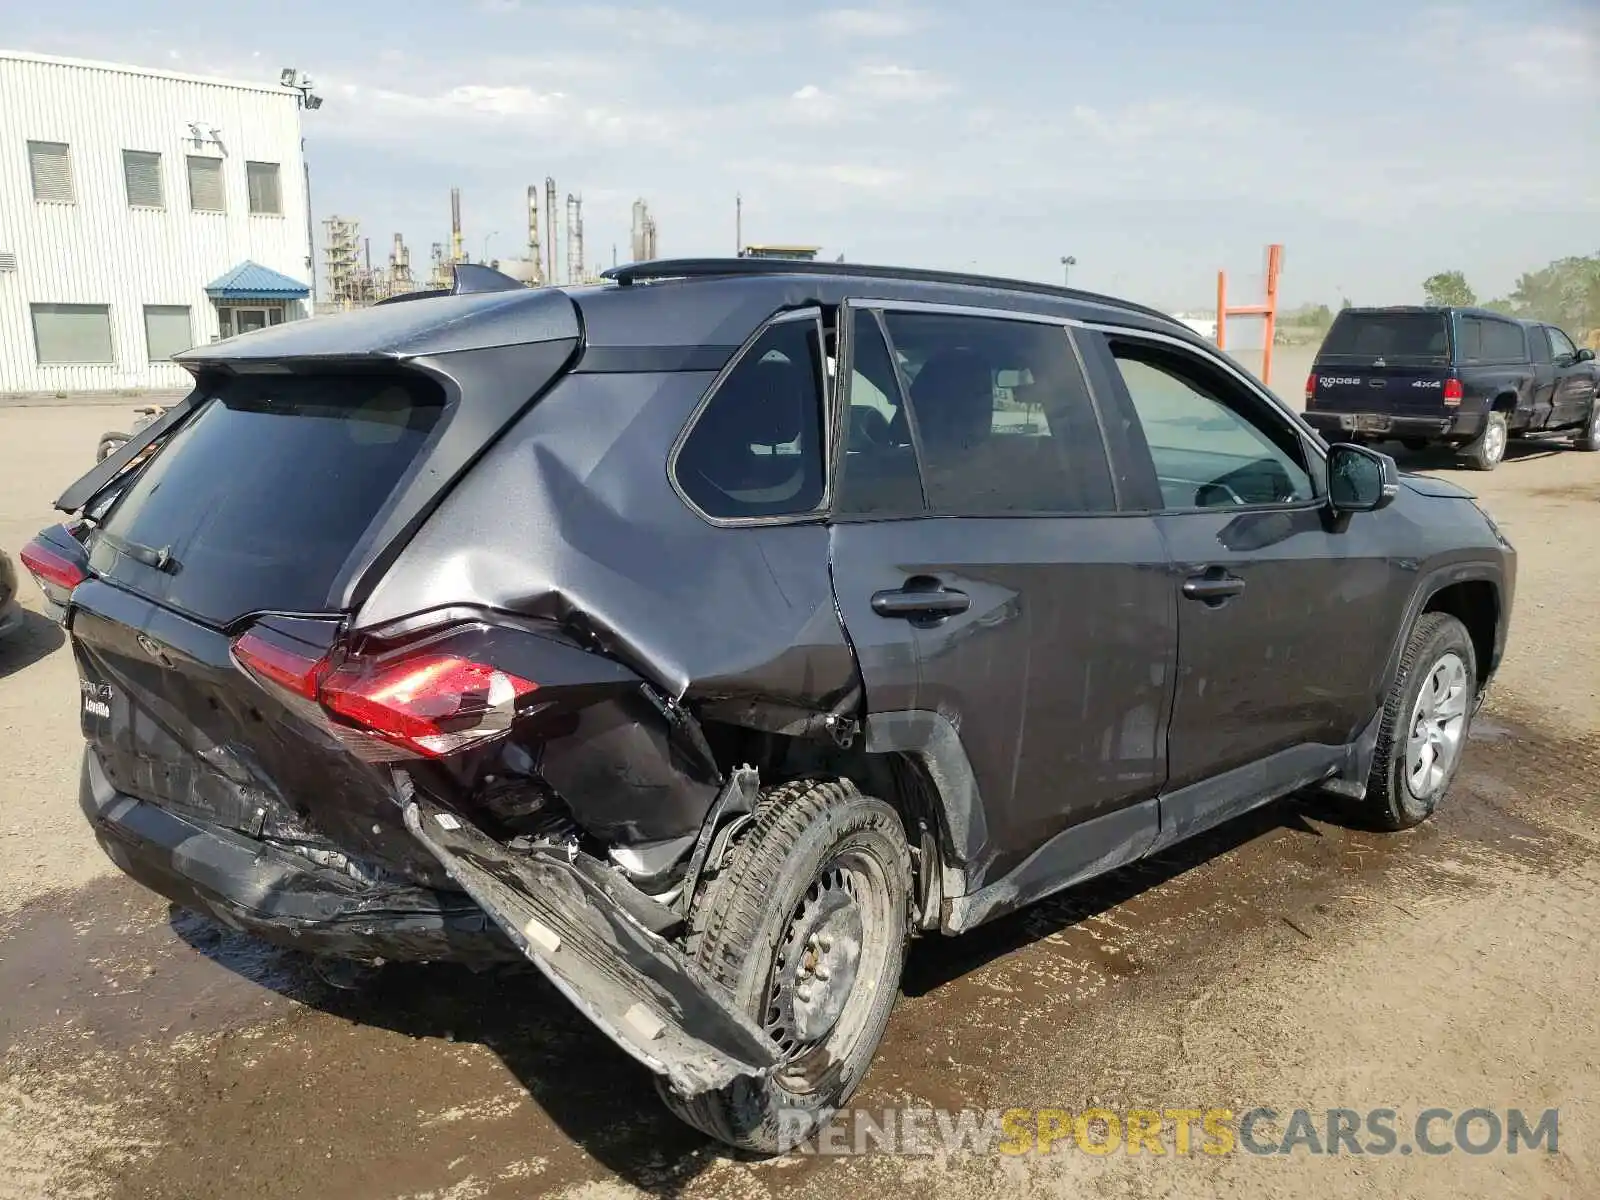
(1392, 363)
(249, 517)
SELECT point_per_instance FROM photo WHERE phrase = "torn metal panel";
(590, 534)
(639, 990)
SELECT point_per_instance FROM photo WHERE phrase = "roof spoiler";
(469, 279)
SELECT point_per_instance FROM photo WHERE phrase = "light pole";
(486, 240)
(305, 99)
(1067, 263)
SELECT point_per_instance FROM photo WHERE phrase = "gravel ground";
(1287, 960)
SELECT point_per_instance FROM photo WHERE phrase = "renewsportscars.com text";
(1262, 1131)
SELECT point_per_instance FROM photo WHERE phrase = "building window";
(50, 164)
(72, 333)
(205, 184)
(141, 173)
(265, 196)
(166, 330)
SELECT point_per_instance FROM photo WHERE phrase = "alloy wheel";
(1438, 725)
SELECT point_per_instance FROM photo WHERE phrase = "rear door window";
(1000, 414)
(756, 448)
(257, 501)
(1392, 336)
(1538, 344)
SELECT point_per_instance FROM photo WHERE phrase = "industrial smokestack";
(456, 252)
(534, 250)
(550, 227)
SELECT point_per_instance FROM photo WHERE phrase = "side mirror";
(1360, 480)
(1586, 355)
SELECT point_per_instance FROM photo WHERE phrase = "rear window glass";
(259, 498)
(1389, 336)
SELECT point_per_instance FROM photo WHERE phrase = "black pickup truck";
(1464, 377)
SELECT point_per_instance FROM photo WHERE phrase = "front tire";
(1485, 452)
(805, 925)
(1588, 438)
(1426, 720)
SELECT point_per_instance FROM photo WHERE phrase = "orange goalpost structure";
(1268, 311)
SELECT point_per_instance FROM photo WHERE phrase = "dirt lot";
(1286, 961)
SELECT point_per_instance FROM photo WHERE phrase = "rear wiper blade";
(150, 556)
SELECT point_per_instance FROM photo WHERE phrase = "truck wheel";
(1426, 719)
(1485, 451)
(1588, 438)
(805, 925)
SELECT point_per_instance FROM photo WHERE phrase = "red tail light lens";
(427, 701)
(1452, 392)
(50, 566)
(298, 672)
(435, 704)
(1311, 387)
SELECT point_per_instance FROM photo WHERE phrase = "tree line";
(1565, 293)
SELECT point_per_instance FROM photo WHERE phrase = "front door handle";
(922, 602)
(1213, 587)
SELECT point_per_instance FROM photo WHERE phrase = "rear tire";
(1485, 452)
(1427, 718)
(1588, 438)
(819, 867)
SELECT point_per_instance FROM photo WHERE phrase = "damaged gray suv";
(704, 634)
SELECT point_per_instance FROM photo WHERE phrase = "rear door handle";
(1212, 587)
(920, 602)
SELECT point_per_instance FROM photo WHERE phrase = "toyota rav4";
(704, 634)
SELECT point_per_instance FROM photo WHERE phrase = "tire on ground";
(1485, 452)
(1588, 438)
(110, 443)
(741, 931)
(1391, 801)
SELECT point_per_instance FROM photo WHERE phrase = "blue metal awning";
(251, 281)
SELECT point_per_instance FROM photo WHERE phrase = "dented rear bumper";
(635, 986)
(279, 896)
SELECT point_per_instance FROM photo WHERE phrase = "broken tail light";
(50, 567)
(434, 703)
(424, 700)
(1311, 387)
(1453, 392)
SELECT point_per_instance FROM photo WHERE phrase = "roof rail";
(699, 268)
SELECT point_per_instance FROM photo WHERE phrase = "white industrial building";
(141, 212)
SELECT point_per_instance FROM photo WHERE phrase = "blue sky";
(1154, 141)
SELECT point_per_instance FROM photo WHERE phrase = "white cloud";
(857, 23)
(505, 101)
(891, 82)
(856, 175)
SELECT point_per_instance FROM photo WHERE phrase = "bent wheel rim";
(1438, 723)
